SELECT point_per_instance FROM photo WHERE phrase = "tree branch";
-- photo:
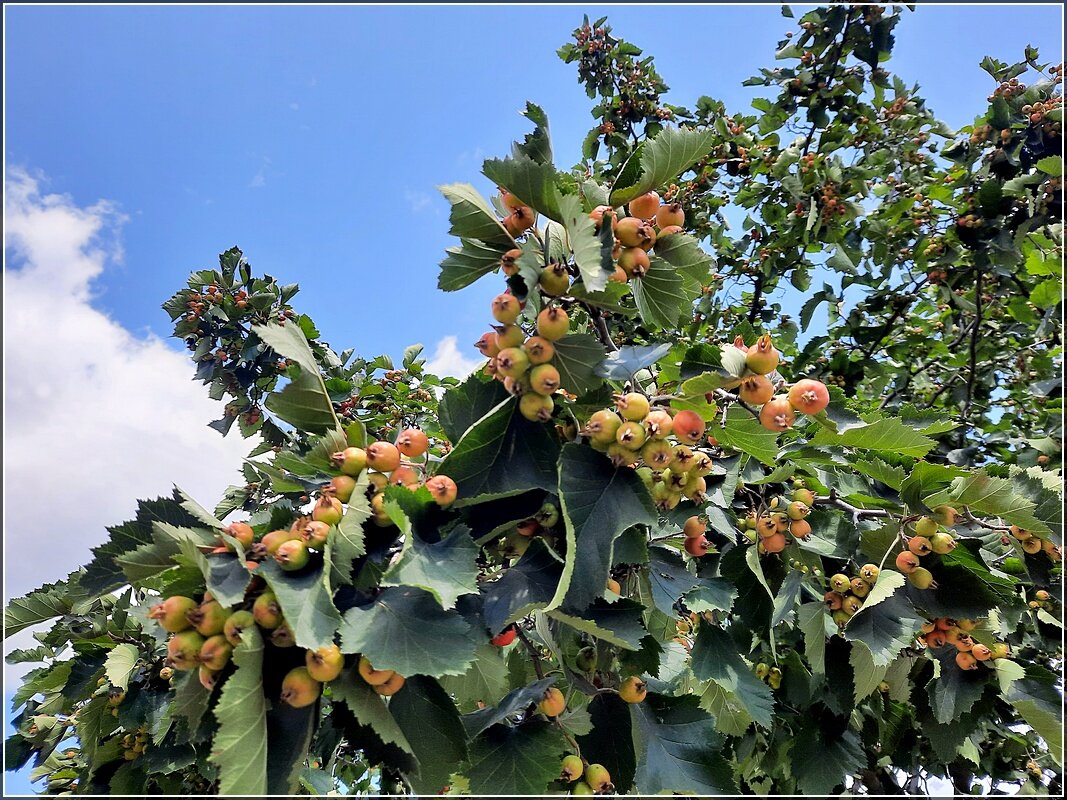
(857, 513)
(973, 368)
(538, 669)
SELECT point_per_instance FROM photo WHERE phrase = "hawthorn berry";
(325, 663)
(443, 489)
(777, 415)
(688, 427)
(506, 309)
(762, 357)
(633, 690)
(809, 396)
(552, 703)
(553, 323)
(644, 206)
(632, 406)
(299, 689)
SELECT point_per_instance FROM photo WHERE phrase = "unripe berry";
(391, 686)
(631, 435)
(511, 203)
(633, 232)
(552, 703)
(702, 465)
(597, 215)
(942, 542)
(215, 652)
(777, 415)
(328, 510)
(762, 670)
(622, 456)
(171, 614)
(841, 617)
(850, 605)
(696, 546)
(183, 649)
(634, 262)
(555, 280)
(797, 510)
(632, 406)
(242, 532)
(544, 379)
(236, 624)
(383, 457)
(907, 562)
(805, 496)
(267, 612)
(762, 357)
(299, 689)
(553, 323)
(443, 489)
(657, 454)
(981, 653)
(373, 677)
(315, 534)
(571, 769)
(512, 362)
(509, 336)
(695, 488)
(966, 661)
(283, 636)
(602, 427)
(809, 396)
(946, 515)
(350, 461)
(860, 587)
(208, 618)
(517, 386)
(919, 545)
(1000, 650)
(922, 578)
(694, 527)
(509, 262)
(325, 663)
(412, 442)
(341, 487)
(670, 216)
(869, 573)
(644, 206)
(688, 427)
(756, 390)
(506, 309)
(684, 459)
(292, 555)
(598, 778)
(633, 690)
(924, 526)
(539, 350)
(536, 407)
(840, 583)
(209, 679)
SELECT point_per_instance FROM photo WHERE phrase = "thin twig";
(970, 517)
(722, 394)
(538, 669)
(973, 369)
(856, 512)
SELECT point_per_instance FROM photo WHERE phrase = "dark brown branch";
(538, 669)
(972, 372)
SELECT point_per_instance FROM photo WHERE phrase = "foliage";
(764, 595)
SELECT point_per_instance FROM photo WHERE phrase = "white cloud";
(95, 416)
(448, 361)
(417, 201)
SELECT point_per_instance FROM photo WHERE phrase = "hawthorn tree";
(670, 538)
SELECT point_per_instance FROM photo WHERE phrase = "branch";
(600, 325)
(757, 295)
(973, 369)
(722, 394)
(967, 515)
(857, 513)
(538, 669)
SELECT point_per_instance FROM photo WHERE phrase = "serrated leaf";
(486, 681)
(514, 703)
(993, 496)
(38, 606)
(446, 569)
(429, 720)
(865, 673)
(577, 358)
(618, 624)
(662, 160)
(528, 585)
(345, 542)
(465, 264)
(405, 630)
(532, 182)
(887, 435)
(598, 502)
(522, 760)
(886, 627)
(307, 605)
(463, 405)
(369, 708)
(715, 657)
(668, 578)
(592, 252)
(304, 403)
(956, 690)
(471, 217)
(120, 664)
(678, 748)
(731, 718)
(742, 432)
(1039, 703)
(683, 252)
(240, 745)
(892, 476)
(658, 294)
(624, 363)
(820, 762)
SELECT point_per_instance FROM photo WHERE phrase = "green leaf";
(240, 745)
(965, 586)
(956, 690)
(886, 627)
(658, 295)
(820, 762)
(307, 605)
(678, 748)
(515, 702)
(304, 403)
(486, 681)
(463, 405)
(611, 742)
(715, 657)
(429, 720)
(405, 630)
(38, 606)
(528, 585)
(1051, 165)
(888, 435)
(345, 542)
(985, 494)
(618, 624)
(742, 432)
(731, 718)
(369, 708)
(683, 252)
(120, 664)
(577, 358)
(536, 145)
(609, 299)
(598, 503)
(892, 476)
(592, 252)
(522, 760)
(502, 454)
(471, 217)
(662, 160)
(669, 578)
(446, 569)
(786, 599)
(532, 182)
(1039, 703)
(624, 363)
(190, 703)
(866, 674)
(465, 264)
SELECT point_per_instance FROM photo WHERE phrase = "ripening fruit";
(766, 526)
(669, 216)
(946, 515)
(266, 611)
(936, 638)
(270, 542)
(517, 386)
(644, 206)
(762, 358)
(509, 262)
(1000, 650)
(797, 510)
(631, 435)
(341, 487)
(536, 407)
(505, 637)
(920, 545)
(702, 465)
(907, 562)
(412, 442)
(860, 587)
(658, 424)
(383, 457)
(832, 600)
(800, 528)
(236, 624)
(602, 427)
(756, 389)
(924, 526)
(694, 527)
(215, 652)
(299, 689)
(840, 583)
(773, 544)
(942, 542)
(544, 379)
(657, 454)
(554, 280)
(622, 456)
(634, 262)
(696, 546)
(777, 415)
(183, 650)
(487, 345)
(598, 778)
(632, 406)
(809, 396)
(350, 461)
(325, 664)
(511, 203)
(314, 535)
(208, 618)
(1032, 546)
(688, 427)
(519, 221)
(869, 573)
(981, 653)
(850, 605)
(283, 636)
(633, 232)
(613, 586)
(586, 658)
(405, 475)
(512, 362)
(171, 613)
(293, 555)
(509, 336)
(633, 690)
(242, 532)
(539, 350)
(327, 509)
(209, 678)
(840, 617)
(684, 459)
(966, 624)
(922, 578)
(597, 214)
(553, 323)
(553, 703)
(443, 489)
(966, 661)
(374, 677)
(571, 769)
(805, 496)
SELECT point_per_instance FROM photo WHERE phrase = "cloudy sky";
(140, 142)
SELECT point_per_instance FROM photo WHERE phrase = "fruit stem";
(733, 398)
(969, 517)
(857, 513)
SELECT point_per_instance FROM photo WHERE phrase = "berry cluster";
(636, 234)
(1032, 544)
(521, 218)
(637, 435)
(846, 594)
(930, 535)
(777, 413)
(956, 632)
(385, 682)
(133, 744)
(772, 676)
(521, 362)
(597, 780)
(767, 527)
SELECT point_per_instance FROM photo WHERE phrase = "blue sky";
(313, 138)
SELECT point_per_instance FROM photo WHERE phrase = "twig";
(856, 512)
(973, 369)
(538, 669)
(967, 515)
(600, 325)
(757, 295)
(722, 394)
